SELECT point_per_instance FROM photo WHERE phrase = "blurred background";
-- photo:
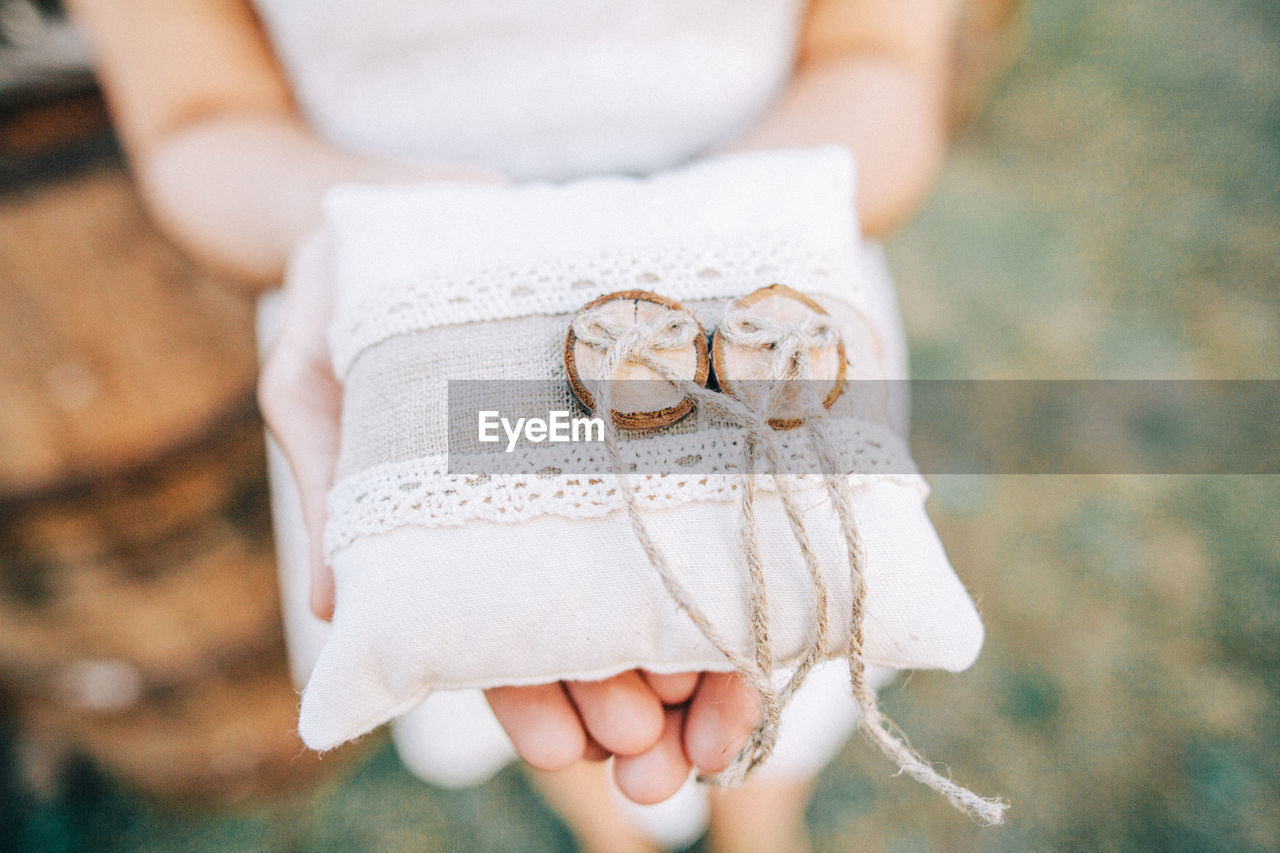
(1110, 210)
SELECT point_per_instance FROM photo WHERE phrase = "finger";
(595, 752)
(622, 713)
(323, 588)
(542, 724)
(674, 689)
(301, 399)
(299, 404)
(722, 712)
(309, 289)
(657, 773)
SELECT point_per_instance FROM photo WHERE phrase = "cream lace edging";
(421, 492)
(562, 284)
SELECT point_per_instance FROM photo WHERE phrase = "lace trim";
(422, 492)
(561, 285)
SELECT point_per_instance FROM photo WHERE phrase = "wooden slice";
(737, 364)
(114, 350)
(133, 519)
(650, 402)
(138, 592)
(166, 570)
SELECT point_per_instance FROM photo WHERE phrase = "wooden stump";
(139, 611)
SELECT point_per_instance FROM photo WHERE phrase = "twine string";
(640, 343)
(790, 345)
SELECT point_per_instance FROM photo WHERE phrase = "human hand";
(658, 727)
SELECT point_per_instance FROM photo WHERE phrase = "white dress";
(543, 90)
(536, 89)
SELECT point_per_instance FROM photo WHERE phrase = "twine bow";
(789, 345)
(638, 343)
